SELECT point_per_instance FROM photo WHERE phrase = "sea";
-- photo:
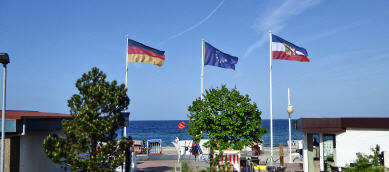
(168, 130)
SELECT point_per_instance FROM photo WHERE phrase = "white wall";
(359, 140)
(32, 156)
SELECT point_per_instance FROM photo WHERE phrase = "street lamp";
(4, 59)
(126, 116)
(290, 111)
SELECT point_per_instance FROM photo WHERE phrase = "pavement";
(168, 165)
(168, 161)
(156, 165)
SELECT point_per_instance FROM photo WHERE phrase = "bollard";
(281, 155)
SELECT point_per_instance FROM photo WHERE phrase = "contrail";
(194, 26)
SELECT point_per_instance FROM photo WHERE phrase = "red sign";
(181, 125)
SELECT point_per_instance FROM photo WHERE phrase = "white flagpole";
(271, 100)
(126, 59)
(202, 69)
(125, 128)
(290, 131)
(288, 97)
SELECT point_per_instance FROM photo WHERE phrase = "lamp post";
(126, 167)
(290, 111)
(4, 59)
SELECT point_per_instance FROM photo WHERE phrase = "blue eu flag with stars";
(215, 57)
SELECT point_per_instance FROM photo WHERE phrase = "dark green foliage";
(228, 118)
(96, 116)
(376, 160)
(362, 162)
(367, 163)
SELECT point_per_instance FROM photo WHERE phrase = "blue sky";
(51, 43)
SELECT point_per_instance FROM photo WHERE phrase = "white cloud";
(276, 19)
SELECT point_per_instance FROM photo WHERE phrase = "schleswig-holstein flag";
(285, 50)
(137, 52)
(215, 57)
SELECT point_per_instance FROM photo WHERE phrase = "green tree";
(228, 118)
(96, 117)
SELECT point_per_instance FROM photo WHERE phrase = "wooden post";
(281, 155)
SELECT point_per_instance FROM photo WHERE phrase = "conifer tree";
(90, 140)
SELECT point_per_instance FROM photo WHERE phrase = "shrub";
(368, 163)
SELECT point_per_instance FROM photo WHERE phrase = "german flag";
(138, 52)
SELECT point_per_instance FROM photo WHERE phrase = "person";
(196, 149)
(256, 149)
(144, 147)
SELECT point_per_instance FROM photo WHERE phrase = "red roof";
(21, 114)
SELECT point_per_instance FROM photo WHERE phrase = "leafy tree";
(228, 118)
(96, 117)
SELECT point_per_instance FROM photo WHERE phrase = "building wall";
(359, 140)
(32, 156)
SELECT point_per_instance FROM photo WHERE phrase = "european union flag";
(215, 57)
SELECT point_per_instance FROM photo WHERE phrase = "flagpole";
(271, 99)
(126, 59)
(202, 69)
(125, 127)
(126, 84)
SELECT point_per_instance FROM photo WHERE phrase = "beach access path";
(168, 165)
(168, 160)
(156, 165)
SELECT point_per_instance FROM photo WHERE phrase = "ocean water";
(167, 130)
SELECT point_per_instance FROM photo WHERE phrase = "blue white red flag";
(284, 50)
(218, 58)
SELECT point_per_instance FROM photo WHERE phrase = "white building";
(334, 142)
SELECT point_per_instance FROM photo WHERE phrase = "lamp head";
(4, 58)
(290, 109)
(126, 116)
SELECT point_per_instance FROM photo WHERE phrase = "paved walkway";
(156, 165)
(167, 165)
(168, 161)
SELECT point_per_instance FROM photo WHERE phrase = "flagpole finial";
(269, 31)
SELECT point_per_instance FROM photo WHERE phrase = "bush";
(186, 168)
(368, 163)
